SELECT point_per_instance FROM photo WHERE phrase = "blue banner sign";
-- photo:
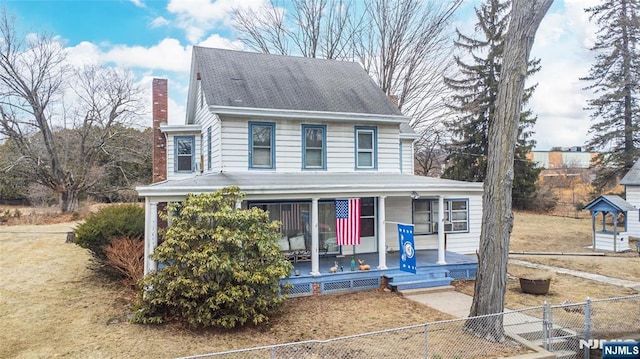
(407, 248)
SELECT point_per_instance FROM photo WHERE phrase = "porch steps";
(424, 278)
(564, 341)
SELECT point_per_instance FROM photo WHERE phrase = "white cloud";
(83, 53)
(197, 17)
(220, 42)
(159, 22)
(138, 3)
(168, 55)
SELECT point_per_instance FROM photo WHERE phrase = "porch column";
(615, 231)
(150, 234)
(382, 241)
(315, 254)
(441, 259)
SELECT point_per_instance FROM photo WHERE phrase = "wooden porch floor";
(424, 258)
(458, 266)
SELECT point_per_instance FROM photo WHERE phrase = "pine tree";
(614, 80)
(474, 101)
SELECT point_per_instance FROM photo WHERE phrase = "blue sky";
(154, 38)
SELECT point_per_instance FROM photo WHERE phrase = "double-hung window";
(262, 145)
(366, 147)
(184, 153)
(314, 149)
(425, 216)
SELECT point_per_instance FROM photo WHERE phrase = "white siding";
(206, 119)
(633, 218)
(388, 150)
(604, 241)
(399, 209)
(288, 145)
(234, 144)
(407, 156)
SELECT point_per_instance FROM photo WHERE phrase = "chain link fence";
(575, 330)
(567, 330)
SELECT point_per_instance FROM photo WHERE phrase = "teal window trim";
(323, 148)
(176, 156)
(209, 148)
(433, 215)
(374, 150)
(271, 146)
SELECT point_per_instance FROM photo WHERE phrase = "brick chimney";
(160, 116)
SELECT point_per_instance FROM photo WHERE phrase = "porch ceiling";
(335, 184)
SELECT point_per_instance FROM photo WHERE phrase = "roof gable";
(263, 81)
(632, 178)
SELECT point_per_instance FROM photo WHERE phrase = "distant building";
(572, 157)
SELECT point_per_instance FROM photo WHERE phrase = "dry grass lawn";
(52, 305)
(535, 232)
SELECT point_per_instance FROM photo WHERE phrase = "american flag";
(290, 217)
(348, 221)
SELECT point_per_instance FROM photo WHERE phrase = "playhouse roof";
(610, 203)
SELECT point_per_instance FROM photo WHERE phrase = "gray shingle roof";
(632, 178)
(406, 129)
(255, 80)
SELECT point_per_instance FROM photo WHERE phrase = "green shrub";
(221, 266)
(97, 231)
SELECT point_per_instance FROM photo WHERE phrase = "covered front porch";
(305, 282)
(446, 215)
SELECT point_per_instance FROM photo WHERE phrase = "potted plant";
(536, 282)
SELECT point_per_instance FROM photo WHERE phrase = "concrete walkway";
(459, 304)
(448, 301)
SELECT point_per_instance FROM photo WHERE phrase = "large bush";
(219, 266)
(97, 231)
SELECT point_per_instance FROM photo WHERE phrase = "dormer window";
(262, 145)
(184, 153)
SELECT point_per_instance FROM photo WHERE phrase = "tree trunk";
(497, 218)
(69, 200)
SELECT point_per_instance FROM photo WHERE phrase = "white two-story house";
(295, 134)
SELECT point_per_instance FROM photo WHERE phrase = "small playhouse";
(612, 238)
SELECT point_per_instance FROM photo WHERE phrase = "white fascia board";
(330, 191)
(301, 114)
(164, 128)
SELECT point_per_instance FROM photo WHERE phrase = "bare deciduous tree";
(497, 217)
(39, 92)
(403, 44)
(313, 28)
